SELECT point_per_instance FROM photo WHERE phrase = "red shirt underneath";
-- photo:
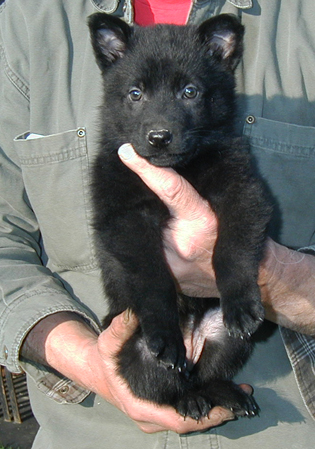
(149, 12)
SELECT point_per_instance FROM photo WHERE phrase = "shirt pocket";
(55, 171)
(285, 157)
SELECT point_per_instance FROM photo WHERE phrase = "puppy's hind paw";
(248, 407)
(193, 405)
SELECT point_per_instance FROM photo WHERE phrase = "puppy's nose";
(160, 137)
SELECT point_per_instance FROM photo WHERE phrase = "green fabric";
(49, 86)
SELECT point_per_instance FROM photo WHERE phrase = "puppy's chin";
(165, 160)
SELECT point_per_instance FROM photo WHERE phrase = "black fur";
(169, 91)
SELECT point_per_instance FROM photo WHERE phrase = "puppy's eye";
(135, 94)
(190, 92)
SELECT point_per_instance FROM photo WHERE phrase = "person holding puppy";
(51, 295)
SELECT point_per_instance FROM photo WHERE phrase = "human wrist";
(286, 280)
(69, 347)
(269, 274)
(59, 341)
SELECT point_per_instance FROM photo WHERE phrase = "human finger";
(161, 418)
(171, 420)
(247, 388)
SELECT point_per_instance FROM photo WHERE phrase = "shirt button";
(250, 119)
(6, 352)
(64, 389)
(81, 132)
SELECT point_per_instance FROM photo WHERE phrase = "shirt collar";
(110, 6)
(243, 4)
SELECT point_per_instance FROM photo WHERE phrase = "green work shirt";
(49, 95)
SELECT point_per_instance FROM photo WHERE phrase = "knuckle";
(146, 429)
(181, 428)
(133, 415)
(174, 189)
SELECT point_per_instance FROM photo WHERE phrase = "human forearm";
(58, 339)
(287, 281)
(63, 341)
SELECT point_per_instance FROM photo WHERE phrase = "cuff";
(28, 311)
(308, 250)
(61, 389)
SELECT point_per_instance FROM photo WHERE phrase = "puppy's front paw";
(168, 348)
(243, 315)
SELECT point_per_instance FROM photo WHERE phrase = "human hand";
(149, 417)
(64, 342)
(191, 234)
(286, 277)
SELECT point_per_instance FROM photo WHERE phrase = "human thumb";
(175, 191)
(120, 330)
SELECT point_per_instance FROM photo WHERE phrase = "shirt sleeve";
(28, 290)
(301, 352)
(308, 250)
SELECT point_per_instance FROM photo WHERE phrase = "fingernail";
(221, 416)
(130, 318)
(126, 152)
(127, 316)
(231, 418)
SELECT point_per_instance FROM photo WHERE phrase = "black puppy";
(169, 91)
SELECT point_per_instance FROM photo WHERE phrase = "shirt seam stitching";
(13, 77)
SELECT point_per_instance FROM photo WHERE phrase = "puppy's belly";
(210, 328)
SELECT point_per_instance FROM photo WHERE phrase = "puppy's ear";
(223, 37)
(109, 36)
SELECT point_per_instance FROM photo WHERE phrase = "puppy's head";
(169, 90)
